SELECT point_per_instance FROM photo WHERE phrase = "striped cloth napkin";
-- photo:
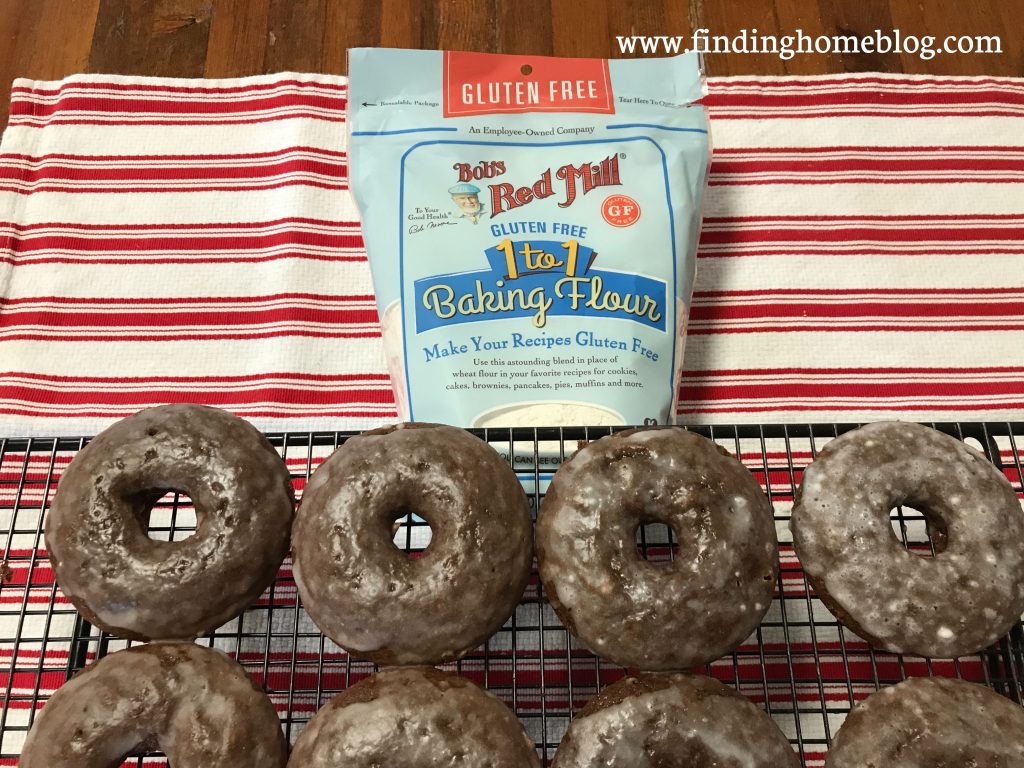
(165, 240)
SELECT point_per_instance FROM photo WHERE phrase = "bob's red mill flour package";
(531, 224)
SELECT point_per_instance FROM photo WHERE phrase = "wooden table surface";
(47, 39)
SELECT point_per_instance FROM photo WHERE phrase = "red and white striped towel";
(166, 240)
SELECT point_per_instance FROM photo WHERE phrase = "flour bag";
(531, 224)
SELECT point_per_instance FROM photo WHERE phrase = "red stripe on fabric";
(924, 218)
(28, 553)
(852, 370)
(171, 88)
(958, 291)
(134, 301)
(727, 182)
(781, 114)
(191, 173)
(968, 165)
(261, 394)
(945, 309)
(170, 188)
(41, 575)
(34, 653)
(871, 149)
(841, 234)
(184, 243)
(133, 104)
(197, 259)
(865, 328)
(122, 228)
(30, 123)
(945, 406)
(128, 318)
(831, 81)
(244, 413)
(8, 599)
(219, 336)
(192, 157)
(895, 97)
(837, 391)
(865, 250)
(211, 379)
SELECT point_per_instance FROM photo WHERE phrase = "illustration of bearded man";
(467, 198)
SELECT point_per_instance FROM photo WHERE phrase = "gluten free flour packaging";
(531, 224)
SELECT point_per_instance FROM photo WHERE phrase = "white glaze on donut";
(958, 602)
(130, 585)
(672, 616)
(931, 723)
(194, 704)
(414, 717)
(374, 600)
(657, 720)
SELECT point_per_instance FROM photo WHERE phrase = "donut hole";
(918, 531)
(166, 515)
(656, 542)
(410, 533)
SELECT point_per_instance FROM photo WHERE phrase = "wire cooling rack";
(801, 666)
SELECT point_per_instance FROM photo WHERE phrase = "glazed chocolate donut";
(194, 704)
(638, 614)
(931, 723)
(130, 585)
(414, 717)
(373, 599)
(656, 720)
(956, 603)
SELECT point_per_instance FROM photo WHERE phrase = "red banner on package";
(490, 83)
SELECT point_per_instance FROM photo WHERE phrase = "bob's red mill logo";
(488, 83)
(572, 180)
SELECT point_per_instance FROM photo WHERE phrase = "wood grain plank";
(793, 15)
(1008, 16)
(679, 18)
(467, 25)
(19, 22)
(238, 38)
(159, 37)
(63, 39)
(295, 37)
(349, 24)
(720, 19)
(639, 19)
(973, 18)
(43, 40)
(581, 28)
(401, 24)
(429, 12)
(525, 27)
(842, 17)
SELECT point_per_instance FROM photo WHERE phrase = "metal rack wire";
(800, 665)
